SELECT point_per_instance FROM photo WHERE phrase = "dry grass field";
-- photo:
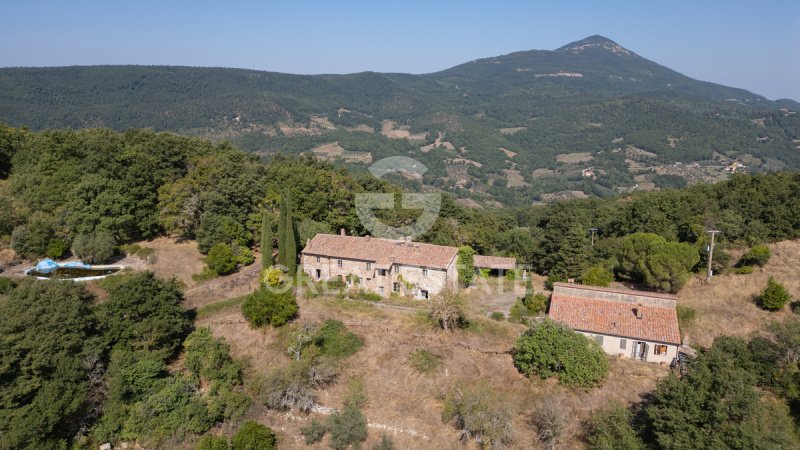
(726, 305)
(408, 405)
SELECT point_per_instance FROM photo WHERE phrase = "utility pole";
(711, 252)
(593, 231)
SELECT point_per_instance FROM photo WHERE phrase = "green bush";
(479, 413)
(32, 239)
(518, 313)
(208, 359)
(270, 307)
(536, 303)
(548, 349)
(242, 255)
(347, 427)
(254, 436)
(204, 275)
(498, 316)
(612, 429)
(137, 250)
(314, 432)
(757, 256)
(334, 340)
(774, 296)
(744, 270)
(597, 275)
(220, 259)
(424, 361)
(211, 442)
(294, 386)
(94, 248)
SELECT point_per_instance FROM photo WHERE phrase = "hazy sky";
(749, 44)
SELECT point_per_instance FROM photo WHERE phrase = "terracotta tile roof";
(383, 252)
(494, 262)
(613, 312)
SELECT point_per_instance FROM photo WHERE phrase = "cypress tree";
(266, 240)
(282, 232)
(291, 239)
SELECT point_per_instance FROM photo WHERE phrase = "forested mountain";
(588, 118)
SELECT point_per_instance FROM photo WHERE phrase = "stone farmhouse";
(629, 324)
(382, 265)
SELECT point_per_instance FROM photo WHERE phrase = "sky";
(747, 44)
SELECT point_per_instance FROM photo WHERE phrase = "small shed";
(497, 265)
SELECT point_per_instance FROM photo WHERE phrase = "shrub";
(612, 429)
(424, 361)
(518, 312)
(32, 239)
(94, 248)
(369, 296)
(205, 274)
(208, 359)
(536, 303)
(242, 255)
(272, 277)
(498, 316)
(348, 427)
(314, 432)
(334, 340)
(356, 392)
(597, 275)
(447, 309)
(220, 259)
(550, 420)
(268, 307)
(478, 413)
(757, 256)
(254, 436)
(386, 443)
(211, 442)
(292, 387)
(744, 270)
(774, 296)
(548, 349)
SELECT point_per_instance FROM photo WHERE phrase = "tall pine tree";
(266, 240)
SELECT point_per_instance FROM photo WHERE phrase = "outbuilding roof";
(494, 262)
(382, 252)
(630, 314)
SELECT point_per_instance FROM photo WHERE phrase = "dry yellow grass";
(574, 158)
(726, 305)
(408, 405)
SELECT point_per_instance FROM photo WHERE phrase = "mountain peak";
(596, 42)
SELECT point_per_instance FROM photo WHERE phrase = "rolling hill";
(589, 118)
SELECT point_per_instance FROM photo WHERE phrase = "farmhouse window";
(369, 266)
(382, 272)
(424, 272)
(396, 269)
(396, 287)
(380, 288)
(317, 258)
(623, 344)
(660, 349)
(599, 339)
(338, 263)
(424, 294)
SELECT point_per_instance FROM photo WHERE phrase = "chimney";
(639, 311)
(342, 232)
(367, 237)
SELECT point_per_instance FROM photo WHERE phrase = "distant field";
(574, 158)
